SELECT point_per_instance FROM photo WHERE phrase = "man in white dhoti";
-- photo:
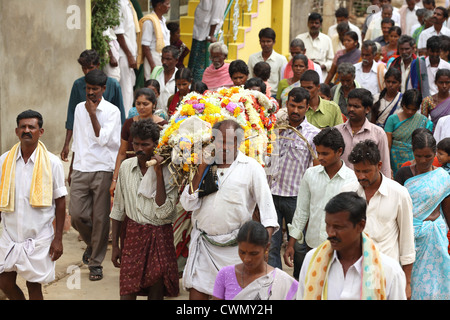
(216, 217)
(32, 194)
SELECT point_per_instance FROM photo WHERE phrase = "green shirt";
(327, 114)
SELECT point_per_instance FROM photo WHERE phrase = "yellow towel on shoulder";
(41, 191)
(158, 33)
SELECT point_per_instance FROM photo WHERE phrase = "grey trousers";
(89, 208)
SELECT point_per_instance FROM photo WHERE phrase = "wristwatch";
(208, 38)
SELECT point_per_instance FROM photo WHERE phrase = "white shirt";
(374, 30)
(93, 153)
(368, 80)
(333, 30)
(26, 221)
(389, 220)
(207, 14)
(395, 15)
(428, 33)
(242, 187)
(442, 129)
(127, 27)
(431, 72)
(320, 49)
(276, 62)
(348, 286)
(316, 189)
(410, 20)
(166, 90)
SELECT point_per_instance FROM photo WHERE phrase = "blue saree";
(430, 277)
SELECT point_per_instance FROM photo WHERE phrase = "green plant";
(105, 14)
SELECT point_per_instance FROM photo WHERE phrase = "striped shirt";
(137, 207)
(287, 168)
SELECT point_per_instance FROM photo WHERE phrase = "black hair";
(341, 12)
(325, 89)
(391, 72)
(310, 75)
(299, 94)
(256, 82)
(155, 3)
(267, 33)
(444, 11)
(330, 137)
(404, 38)
(30, 114)
(96, 77)
(397, 29)
(349, 202)
(388, 20)
(315, 16)
(199, 87)
(354, 36)
(444, 145)
(185, 74)
(145, 129)
(147, 92)
(434, 44)
(154, 83)
(262, 70)
(441, 73)
(89, 57)
(254, 233)
(366, 150)
(412, 97)
(300, 57)
(362, 94)
(423, 139)
(238, 66)
(173, 27)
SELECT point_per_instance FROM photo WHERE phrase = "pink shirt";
(367, 131)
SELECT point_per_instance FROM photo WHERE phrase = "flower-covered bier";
(254, 111)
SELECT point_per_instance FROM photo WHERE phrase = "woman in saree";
(351, 54)
(389, 100)
(399, 128)
(438, 105)
(299, 66)
(429, 188)
(253, 279)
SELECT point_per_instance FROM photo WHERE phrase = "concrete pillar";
(328, 15)
(300, 10)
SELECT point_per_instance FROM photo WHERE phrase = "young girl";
(351, 54)
(175, 40)
(151, 84)
(390, 49)
(399, 128)
(389, 98)
(443, 153)
(183, 81)
(262, 70)
(438, 105)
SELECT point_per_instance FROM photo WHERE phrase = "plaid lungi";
(148, 255)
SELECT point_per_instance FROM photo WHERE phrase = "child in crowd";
(390, 49)
(262, 70)
(238, 72)
(325, 91)
(175, 40)
(443, 153)
(256, 84)
(199, 87)
(183, 81)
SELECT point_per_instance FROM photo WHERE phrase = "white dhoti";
(127, 82)
(206, 259)
(30, 258)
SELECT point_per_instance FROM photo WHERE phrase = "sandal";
(95, 273)
(87, 255)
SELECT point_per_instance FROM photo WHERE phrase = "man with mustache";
(144, 206)
(369, 73)
(348, 266)
(439, 17)
(165, 75)
(287, 170)
(358, 128)
(32, 195)
(96, 141)
(389, 207)
(317, 44)
(319, 184)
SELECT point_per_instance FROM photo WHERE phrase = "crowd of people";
(358, 193)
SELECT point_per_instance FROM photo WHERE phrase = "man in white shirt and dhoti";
(216, 217)
(32, 194)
